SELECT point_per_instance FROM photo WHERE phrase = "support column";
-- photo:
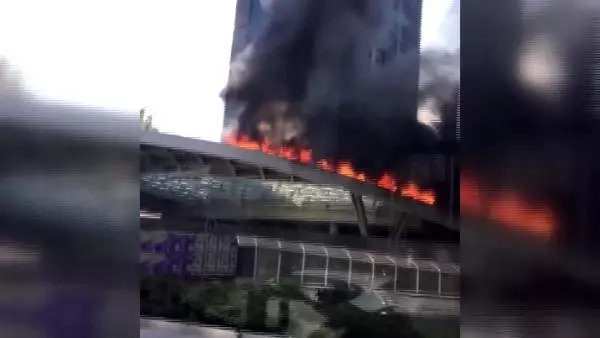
(361, 215)
(397, 230)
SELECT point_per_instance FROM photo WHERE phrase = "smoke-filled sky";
(171, 57)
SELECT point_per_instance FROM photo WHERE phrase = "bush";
(256, 309)
(245, 307)
(216, 302)
(352, 322)
(356, 323)
(161, 296)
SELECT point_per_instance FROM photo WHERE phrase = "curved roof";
(206, 188)
(229, 160)
(234, 197)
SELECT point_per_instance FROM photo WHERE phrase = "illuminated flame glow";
(505, 207)
(386, 181)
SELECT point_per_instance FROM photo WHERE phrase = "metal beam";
(397, 230)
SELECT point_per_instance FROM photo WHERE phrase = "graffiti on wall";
(187, 254)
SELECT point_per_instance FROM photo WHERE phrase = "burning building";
(310, 98)
(264, 110)
(391, 146)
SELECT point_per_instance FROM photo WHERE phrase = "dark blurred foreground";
(69, 210)
(543, 144)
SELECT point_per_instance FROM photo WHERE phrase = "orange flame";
(304, 156)
(506, 208)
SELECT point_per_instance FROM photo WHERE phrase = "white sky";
(434, 12)
(169, 56)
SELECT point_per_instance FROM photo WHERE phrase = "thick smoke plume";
(304, 83)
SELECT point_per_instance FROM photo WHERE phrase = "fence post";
(349, 267)
(255, 272)
(326, 265)
(303, 263)
(278, 261)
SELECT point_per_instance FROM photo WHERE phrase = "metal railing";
(373, 275)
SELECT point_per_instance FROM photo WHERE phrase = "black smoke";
(341, 108)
